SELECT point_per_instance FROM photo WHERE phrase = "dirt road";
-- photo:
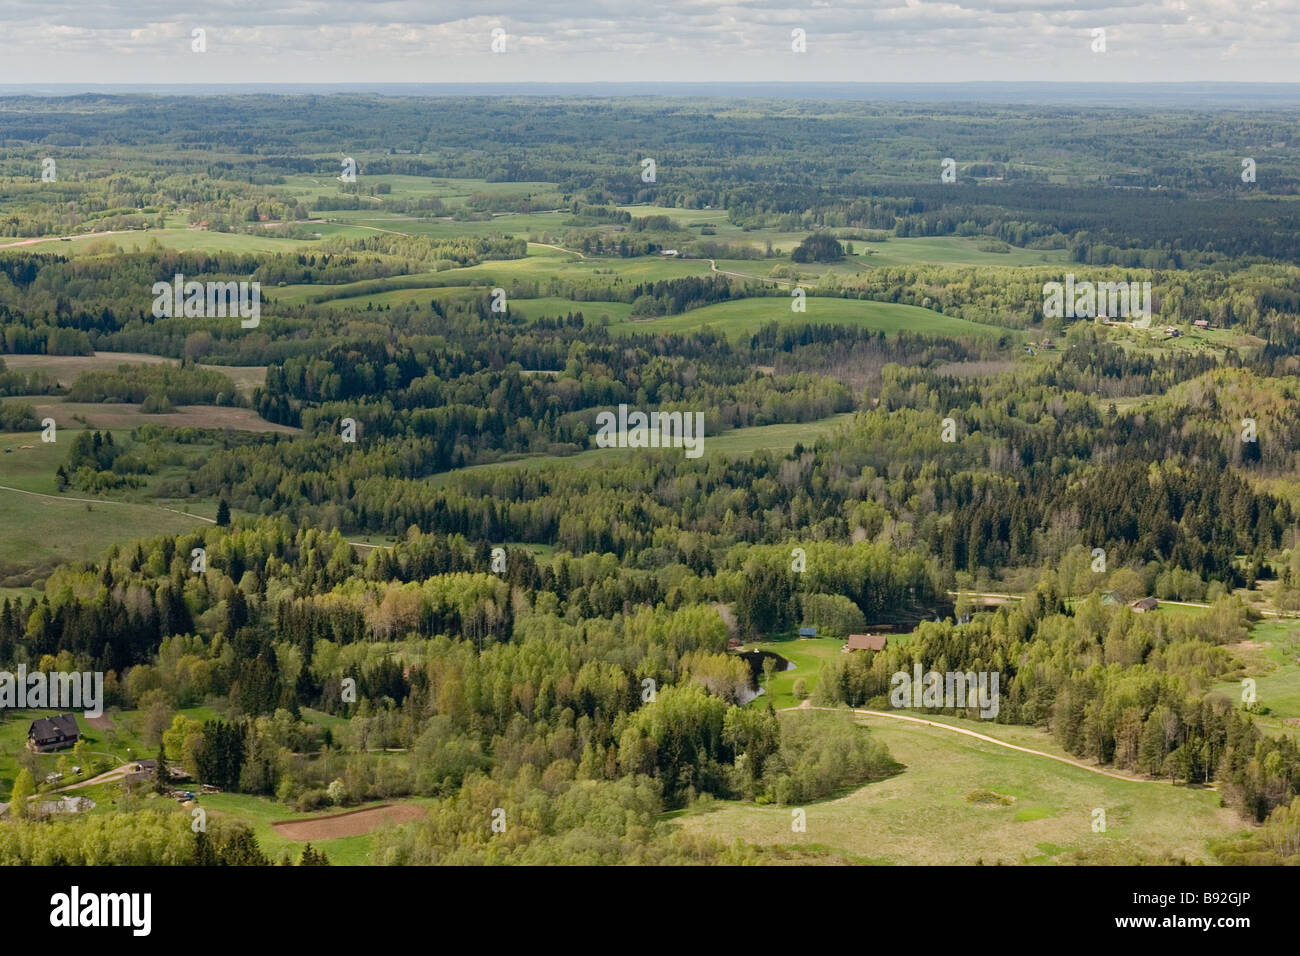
(992, 740)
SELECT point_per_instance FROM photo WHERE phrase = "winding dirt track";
(106, 501)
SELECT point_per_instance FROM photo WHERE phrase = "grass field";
(541, 263)
(807, 655)
(124, 415)
(261, 812)
(1272, 658)
(923, 814)
(937, 250)
(950, 250)
(738, 441)
(55, 528)
(742, 317)
(66, 368)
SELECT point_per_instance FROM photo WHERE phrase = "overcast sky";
(362, 41)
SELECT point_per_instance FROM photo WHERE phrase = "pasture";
(1272, 658)
(65, 527)
(263, 814)
(66, 368)
(124, 415)
(931, 812)
(738, 441)
(743, 317)
(807, 655)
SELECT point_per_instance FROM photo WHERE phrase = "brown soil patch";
(352, 823)
(102, 722)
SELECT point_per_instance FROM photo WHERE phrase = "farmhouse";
(52, 733)
(1201, 324)
(865, 642)
(1144, 605)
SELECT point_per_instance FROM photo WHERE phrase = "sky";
(648, 41)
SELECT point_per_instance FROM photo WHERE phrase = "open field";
(1272, 658)
(451, 191)
(922, 815)
(71, 526)
(182, 239)
(66, 368)
(807, 655)
(737, 441)
(267, 817)
(937, 250)
(123, 415)
(349, 823)
(57, 530)
(744, 316)
(950, 250)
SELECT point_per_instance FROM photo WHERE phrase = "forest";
(385, 560)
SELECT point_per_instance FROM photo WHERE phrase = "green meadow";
(807, 655)
(1272, 659)
(737, 441)
(744, 316)
(261, 812)
(57, 528)
(934, 810)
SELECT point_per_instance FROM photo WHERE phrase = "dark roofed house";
(865, 642)
(52, 733)
(1144, 605)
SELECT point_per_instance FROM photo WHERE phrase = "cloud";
(359, 41)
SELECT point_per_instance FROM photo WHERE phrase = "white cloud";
(359, 41)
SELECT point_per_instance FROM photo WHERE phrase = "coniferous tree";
(161, 777)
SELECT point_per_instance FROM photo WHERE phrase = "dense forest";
(425, 579)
